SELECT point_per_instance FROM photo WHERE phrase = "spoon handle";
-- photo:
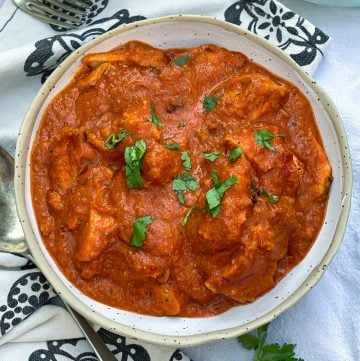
(100, 349)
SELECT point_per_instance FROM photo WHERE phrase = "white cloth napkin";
(32, 325)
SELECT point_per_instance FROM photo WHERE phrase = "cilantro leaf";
(139, 231)
(212, 156)
(227, 185)
(214, 176)
(209, 103)
(154, 118)
(215, 194)
(235, 153)
(182, 183)
(271, 352)
(133, 159)
(172, 146)
(275, 352)
(264, 137)
(187, 216)
(182, 60)
(112, 139)
(249, 342)
(272, 198)
(185, 157)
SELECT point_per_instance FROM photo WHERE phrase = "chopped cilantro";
(215, 194)
(209, 103)
(264, 137)
(182, 60)
(139, 231)
(235, 153)
(183, 183)
(272, 198)
(172, 146)
(133, 160)
(212, 156)
(112, 140)
(154, 118)
(187, 216)
(185, 157)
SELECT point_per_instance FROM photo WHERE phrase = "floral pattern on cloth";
(271, 20)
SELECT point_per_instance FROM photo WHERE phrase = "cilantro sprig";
(133, 159)
(113, 139)
(270, 352)
(181, 60)
(154, 118)
(212, 156)
(264, 137)
(235, 153)
(215, 194)
(139, 231)
(182, 183)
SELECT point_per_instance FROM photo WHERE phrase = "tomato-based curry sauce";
(178, 182)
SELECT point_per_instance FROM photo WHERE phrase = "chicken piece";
(135, 120)
(250, 96)
(98, 234)
(311, 153)
(281, 172)
(160, 165)
(134, 53)
(167, 300)
(258, 278)
(211, 234)
(250, 272)
(69, 154)
(93, 77)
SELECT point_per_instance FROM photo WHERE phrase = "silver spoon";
(12, 240)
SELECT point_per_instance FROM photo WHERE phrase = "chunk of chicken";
(135, 53)
(161, 165)
(250, 96)
(98, 234)
(167, 300)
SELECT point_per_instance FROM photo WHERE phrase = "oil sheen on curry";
(178, 182)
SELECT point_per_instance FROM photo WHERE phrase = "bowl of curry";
(182, 180)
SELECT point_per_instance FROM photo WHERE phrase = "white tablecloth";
(325, 324)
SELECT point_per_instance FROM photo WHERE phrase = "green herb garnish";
(235, 153)
(271, 352)
(215, 194)
(187, 216)
(209, 103)
(139, 231)
(212, 156)
(112, 140)
(154, 118)
(272, 198)
(185, 157)
(133, 159)
(173, 146)
(264, 137)
(183, 183)
(181, 60)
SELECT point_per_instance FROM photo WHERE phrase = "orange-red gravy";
(85, 210)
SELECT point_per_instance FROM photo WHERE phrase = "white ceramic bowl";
(190, 31)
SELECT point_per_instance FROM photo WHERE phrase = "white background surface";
(325, 324)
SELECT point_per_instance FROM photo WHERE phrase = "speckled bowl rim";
(22, 149)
